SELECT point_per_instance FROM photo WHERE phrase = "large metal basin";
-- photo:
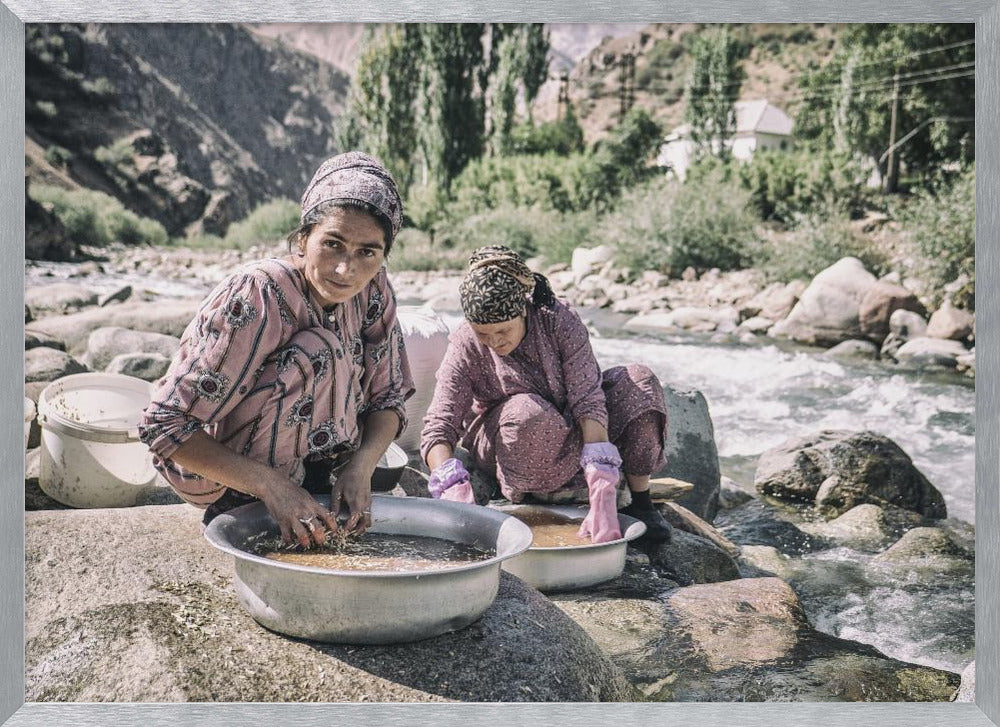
(567, 568)
(357, 607)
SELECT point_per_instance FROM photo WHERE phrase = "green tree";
(451, 127)
(383, 96)
(536, 61)
(847, 104)
(712, 87)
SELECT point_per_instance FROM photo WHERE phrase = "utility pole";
(563, 94)
(890, 171)
(626, 84)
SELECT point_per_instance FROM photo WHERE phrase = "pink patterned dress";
(265, 371)
(518, 414)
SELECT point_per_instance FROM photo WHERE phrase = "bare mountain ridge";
(192, 125)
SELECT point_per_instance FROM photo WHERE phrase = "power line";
(828, 91)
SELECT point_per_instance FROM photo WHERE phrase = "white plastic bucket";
(29, 416)
(426, 336)
(91, 453)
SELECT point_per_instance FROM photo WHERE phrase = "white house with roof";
(759, 125)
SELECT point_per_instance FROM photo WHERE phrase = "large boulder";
(169, 317)
(744, 640)
(145, 366)
(949, 322)
(828, 311)
(588, 260)
(867, 527)
(838, 470)
(105, 343)
(701, 320)
(58, 298)
(904, 325)
(878, 305)
(45, 236)
(154, 617)
(35, 339)
(928, 351)
(48, 364)
(691, 452)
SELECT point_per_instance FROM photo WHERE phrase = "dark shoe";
(658, 530)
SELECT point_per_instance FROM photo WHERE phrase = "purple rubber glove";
(447, 475)
(600, 461)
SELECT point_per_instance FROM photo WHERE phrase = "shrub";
(819, 240)
(120, 153)
(267, 223)
(563, 137)
(668, 226)
(532, 231)
(942, 224)
(58, 156)
(94, 218)
(784, 185)
(46, 109)
(413, 250)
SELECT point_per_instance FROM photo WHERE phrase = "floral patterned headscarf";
(355, 177)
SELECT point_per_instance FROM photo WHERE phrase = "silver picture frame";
(986, 709)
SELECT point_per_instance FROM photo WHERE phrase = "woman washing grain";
(520, 388)
(293, 366)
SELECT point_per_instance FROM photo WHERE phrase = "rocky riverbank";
(732, 609)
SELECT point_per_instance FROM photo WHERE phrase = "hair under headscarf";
(498, 285)
(358, 179)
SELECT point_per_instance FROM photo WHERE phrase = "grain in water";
(373, 552)
(550, 529)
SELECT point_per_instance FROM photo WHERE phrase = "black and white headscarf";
(498, 286)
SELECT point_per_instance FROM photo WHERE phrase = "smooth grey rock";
(906, 324)
(690, 450)
(154, 617)
(923, 543)
(702, 320)
(827, 312)
(839, 469)
(683, 519)
(145, 366)
(106, 343)
(949, 322)
(928, 351)
(587, 260)
(853, 349)
(169, 317)
(863, 528)
(880, 303)
(58, 298)
(49, 364)
(744, 640)
(689, 559)
(36, 339)
(756, 324)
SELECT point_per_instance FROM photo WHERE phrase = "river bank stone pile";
(133, 604)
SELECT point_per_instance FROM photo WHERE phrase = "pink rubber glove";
(600, 462)
(450, 481)
(460, 492)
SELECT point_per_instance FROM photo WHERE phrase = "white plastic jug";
(91, 454)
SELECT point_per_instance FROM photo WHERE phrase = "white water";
(760, 396)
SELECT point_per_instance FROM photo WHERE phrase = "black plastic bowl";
(389, 469)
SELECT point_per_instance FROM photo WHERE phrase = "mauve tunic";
(269, 374)
(518, 414)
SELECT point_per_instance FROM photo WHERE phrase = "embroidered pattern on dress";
(320, 363)
(239, 312)
(357, 350)
(301, 411)
(283, 359)
(322, 440)
(211, 385)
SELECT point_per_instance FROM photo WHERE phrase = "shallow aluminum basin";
(378, 607)
(578, 566)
